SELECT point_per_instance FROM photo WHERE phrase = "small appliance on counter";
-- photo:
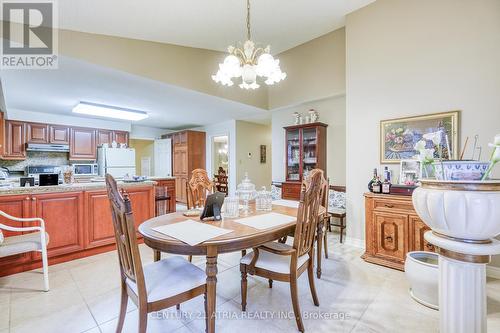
(36, 171)
(4, 173)
(48, 179)
(87, 169)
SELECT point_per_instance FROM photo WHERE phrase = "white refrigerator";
(118, 162)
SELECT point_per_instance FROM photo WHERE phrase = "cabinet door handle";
(389, 239)
(34, 199)
(389, 206)
(27, 198)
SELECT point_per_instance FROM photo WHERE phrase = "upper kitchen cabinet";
(15, 140)
(120, 137)
(59, 134)
(37, 133)
(104, 136)
(82, 144)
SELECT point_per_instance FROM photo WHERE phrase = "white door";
(163, 158)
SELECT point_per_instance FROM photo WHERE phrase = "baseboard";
(356, 242)
(493, 272)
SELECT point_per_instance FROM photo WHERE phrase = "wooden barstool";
(161, 199)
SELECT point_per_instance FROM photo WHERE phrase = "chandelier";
(248, 62)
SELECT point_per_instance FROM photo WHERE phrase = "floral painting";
(398, 137)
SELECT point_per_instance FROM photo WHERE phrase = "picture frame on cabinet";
(399, 136)
(410, 170)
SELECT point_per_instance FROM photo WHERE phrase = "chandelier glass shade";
(249, 62)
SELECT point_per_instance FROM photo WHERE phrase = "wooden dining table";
(241, 238)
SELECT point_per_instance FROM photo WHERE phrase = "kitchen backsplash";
(37, 158)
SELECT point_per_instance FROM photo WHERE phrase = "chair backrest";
(198, 187)
(324, 192)
(125, 235)
(307, 216)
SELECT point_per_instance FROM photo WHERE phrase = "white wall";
(332, 112)
(147, 133)
(415, 57)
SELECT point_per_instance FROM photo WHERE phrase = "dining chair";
(198, 187)
(153, 287)
(325, 217)
(283, 262)
(33, 238)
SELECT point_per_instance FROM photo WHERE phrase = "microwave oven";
(85, 169)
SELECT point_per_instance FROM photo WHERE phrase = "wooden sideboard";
(392, 229)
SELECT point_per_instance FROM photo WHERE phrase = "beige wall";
(186, 67)
(143, 148)
(415, 57)
(331, 111)
(249, 137)
(315, 70)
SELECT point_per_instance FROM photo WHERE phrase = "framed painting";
(399, 136)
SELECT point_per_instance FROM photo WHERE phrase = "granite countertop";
(68, 188)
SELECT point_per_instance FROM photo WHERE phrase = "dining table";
(241, 238)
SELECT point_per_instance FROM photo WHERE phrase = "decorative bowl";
(460, 170)
(464, 210)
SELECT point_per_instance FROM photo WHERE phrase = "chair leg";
(310, 275)
(123, 308)
(270, 283)
(243, 253)
(330, 223)
(143, 320)
(295, 303)
(206, 312)
(45, 265)
(190, 258)
(156, 255)
(177, 306)
(325, 243)
(341, 228)
(244, 288)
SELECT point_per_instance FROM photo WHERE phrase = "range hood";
(47, 147)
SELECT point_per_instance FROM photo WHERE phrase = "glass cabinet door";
(293, 154)
(309, 156)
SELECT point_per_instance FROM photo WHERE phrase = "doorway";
(220, 154)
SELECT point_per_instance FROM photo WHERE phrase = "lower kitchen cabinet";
(392, 229)
(79, 223)
(17, 206)
(100, 229)
(171, 191)
(63, 216)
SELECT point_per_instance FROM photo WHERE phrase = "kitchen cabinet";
(305, 150)
(100, 229)
(15, 140)
(2, 133)
(120, 137)
(188, 153)
(104, 136)
(37, 133)
(17, 206)
(59, 134)
(82, 144)
(392, 229)
(63, 216)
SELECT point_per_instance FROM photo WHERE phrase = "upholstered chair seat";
(274, 262)
(22, 244)
(169, 277)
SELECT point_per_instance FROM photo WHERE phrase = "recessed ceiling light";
(107, 111)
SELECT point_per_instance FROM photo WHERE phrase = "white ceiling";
(58, 91)
(209, 24)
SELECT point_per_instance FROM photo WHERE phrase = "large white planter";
(421, 269)
(464, 217)
(465, 214)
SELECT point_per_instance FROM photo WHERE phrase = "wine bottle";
(377, 186)
(374, 180)
(386, 185)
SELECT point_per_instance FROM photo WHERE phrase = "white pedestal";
(462, 284)
(462, 296)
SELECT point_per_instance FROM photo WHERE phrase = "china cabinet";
(305, 150)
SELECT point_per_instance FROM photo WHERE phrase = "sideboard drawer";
(389, 205)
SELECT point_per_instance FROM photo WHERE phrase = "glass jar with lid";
(246, 192)
(264, 200)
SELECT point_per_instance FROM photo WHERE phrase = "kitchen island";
(77, 218)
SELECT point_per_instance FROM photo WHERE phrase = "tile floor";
(357, 296)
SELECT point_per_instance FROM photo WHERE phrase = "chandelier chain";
(248, 20)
